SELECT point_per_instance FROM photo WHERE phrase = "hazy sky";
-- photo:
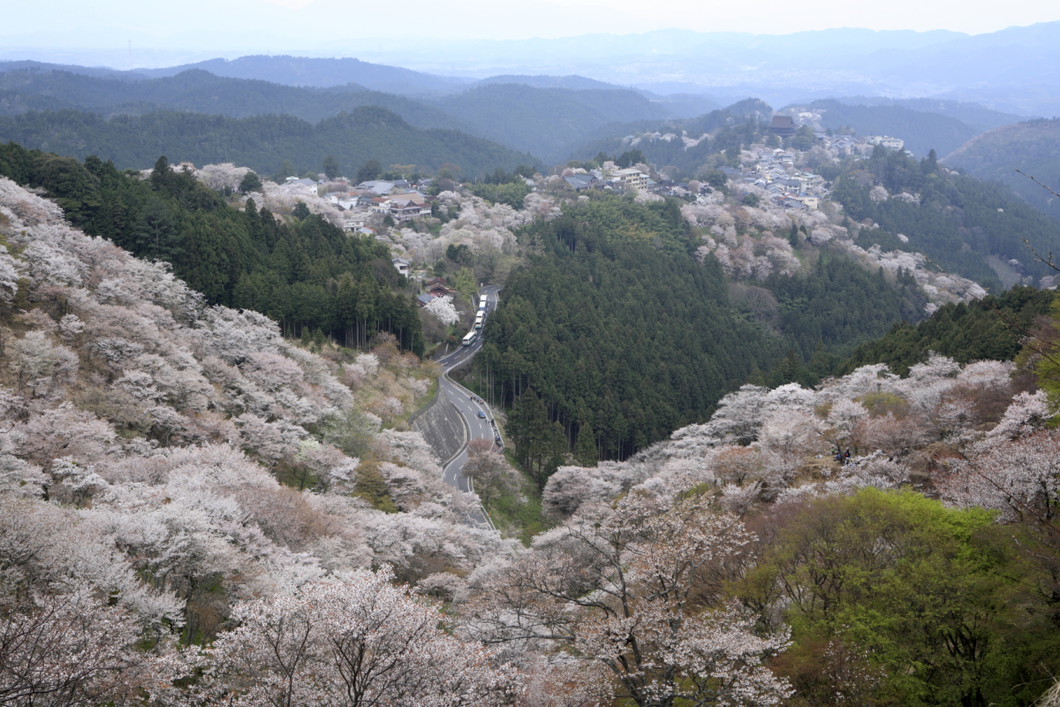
(289, 25)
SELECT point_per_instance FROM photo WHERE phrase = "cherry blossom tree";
(8, 275)
(1026, 413)
(738, 416)
(632, 588)
(39, 364)
(571, 486)
(489, 472)
(442, 309)
(356, 641)
(67, 649)
(1020, 478)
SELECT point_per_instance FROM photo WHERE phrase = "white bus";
(482, 303)
(479, 318)
(469, 338)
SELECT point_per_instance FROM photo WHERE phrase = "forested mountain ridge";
(688, 147)
(267, 143)
(964, 225)
(307, 275)
(1001, 154)
(198, 91)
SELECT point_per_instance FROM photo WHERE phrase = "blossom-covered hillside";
(906, 529)
(194, 510)
(143, 437)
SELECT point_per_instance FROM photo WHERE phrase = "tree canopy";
(308, 275)
(617, 328)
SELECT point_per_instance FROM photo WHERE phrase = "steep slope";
(964, 225)
(1031, 147)
(151, 430)
(965, 434)
(624, 335)
(993, 328)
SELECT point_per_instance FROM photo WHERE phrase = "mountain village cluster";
(777, 176)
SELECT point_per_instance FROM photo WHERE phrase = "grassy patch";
(518, 512)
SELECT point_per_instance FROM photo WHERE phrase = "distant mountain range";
(542, 117)
(552, 100)
(319, 73)
(1015, 70)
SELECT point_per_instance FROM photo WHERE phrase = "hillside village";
(779, 171)
(745, 214)
(770, 188)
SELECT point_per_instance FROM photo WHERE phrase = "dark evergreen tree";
(331, 167)
(250, 182)
(369, 170)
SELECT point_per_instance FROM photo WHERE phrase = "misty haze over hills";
(553, 100)
(1014, 70)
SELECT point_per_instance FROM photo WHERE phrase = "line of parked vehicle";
(497, 440)
(480, 319)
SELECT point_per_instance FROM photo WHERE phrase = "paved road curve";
(464, 405)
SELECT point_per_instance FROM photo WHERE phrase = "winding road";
(453, 420)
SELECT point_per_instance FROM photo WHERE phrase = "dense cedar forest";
(838, 303)
(308, 275)
(618, 329)
(614, 335)
(958, 222)
(994, 328)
